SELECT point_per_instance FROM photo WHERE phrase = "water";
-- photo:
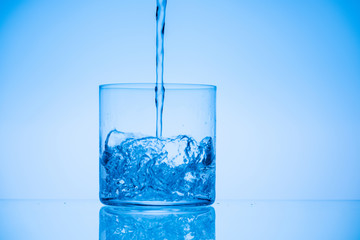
(157, 223)
(138, 169)
(159, 88)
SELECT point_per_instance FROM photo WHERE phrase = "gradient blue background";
(288, 77)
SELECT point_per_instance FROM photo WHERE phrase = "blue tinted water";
(159, 89)
(149, 170)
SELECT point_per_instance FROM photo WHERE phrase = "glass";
(138, 168)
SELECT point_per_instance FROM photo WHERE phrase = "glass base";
(117, 202)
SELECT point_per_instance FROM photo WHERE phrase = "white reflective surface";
(83, 219)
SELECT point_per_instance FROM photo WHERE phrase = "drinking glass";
(139, 168)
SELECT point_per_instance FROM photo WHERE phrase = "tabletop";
(225, 219)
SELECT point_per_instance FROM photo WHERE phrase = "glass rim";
(168, 86)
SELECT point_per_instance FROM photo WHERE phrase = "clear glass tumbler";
(139, 168)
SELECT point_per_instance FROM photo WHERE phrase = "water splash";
(159, 88)
(163, 170)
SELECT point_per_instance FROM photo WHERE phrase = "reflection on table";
(157, 223)
(255, 220)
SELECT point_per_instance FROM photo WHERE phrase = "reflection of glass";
(156, 223)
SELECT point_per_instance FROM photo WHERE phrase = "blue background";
(288, 77)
